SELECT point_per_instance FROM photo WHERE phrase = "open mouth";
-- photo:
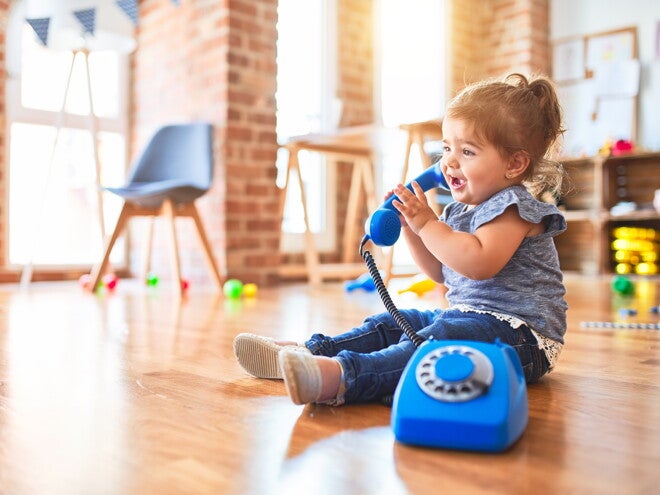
(456, 183)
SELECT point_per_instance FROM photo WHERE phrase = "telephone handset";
(452, 394)
(383, 227)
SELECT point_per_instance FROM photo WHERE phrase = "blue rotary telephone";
(452, 394)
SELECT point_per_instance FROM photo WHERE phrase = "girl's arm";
(478, 256)
(426, 261)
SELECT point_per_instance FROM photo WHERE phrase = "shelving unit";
(596, 184)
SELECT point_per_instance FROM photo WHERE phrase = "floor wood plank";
(134, 392)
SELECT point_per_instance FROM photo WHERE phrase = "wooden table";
(356, 145)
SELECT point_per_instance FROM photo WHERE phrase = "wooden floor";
(134, 393)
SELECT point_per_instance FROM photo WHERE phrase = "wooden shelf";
(596, 185)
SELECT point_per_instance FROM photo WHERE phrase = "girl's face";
(474, 169)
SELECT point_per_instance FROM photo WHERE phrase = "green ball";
(623, 285)
(233, 288)
(152, 280)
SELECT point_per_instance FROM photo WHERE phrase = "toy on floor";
(85, 281)
(110, 281)
(623, 285)
(250, 290)
(620, 325)
(364, 282)
(461, 395)
(152, 280)
(420, 286)
(233, 288)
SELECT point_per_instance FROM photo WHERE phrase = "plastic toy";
(110, 281)
(623, 285)
(622, 147)
(250, 290)
(383, 226)
(420, 287)
(635, 250)
(364, 282)
(152, 280)
(461, 395)
(184, 284)
(616, 148)
(620, 325)
(85, 281)
(233, 288)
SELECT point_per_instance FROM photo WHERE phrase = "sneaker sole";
(258, 357)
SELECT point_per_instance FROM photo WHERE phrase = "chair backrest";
(177, 152)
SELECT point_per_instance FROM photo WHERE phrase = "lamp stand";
(28, 268)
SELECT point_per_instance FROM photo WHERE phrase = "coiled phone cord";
(385, 296)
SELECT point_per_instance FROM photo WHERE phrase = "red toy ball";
(110, 281)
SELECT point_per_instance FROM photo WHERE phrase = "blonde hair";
(517, 114)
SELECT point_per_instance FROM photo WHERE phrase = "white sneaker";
(258, 355)
(302, 376)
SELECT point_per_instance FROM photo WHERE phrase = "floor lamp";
(80, 27)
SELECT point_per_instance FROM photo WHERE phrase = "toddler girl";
(492, 247)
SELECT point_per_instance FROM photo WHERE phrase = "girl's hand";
(414, 208)
(388, 195)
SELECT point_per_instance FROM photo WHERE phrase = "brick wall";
(491, 39)
(355, 86)
(215, 61)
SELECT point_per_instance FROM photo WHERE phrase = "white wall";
(570, 18)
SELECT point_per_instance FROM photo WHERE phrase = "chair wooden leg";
(169, 213)
(99, 269)
(206, 245)
(146, 253)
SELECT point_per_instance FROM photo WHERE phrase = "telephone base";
(461, 395)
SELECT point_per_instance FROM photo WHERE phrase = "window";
(53, 208)
(305, 103)
(410, 79)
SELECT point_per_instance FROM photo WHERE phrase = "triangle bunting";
(130, 8)
(40, 27)
(87, 19)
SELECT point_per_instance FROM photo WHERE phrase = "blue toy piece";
(364, 282)
(461, 395)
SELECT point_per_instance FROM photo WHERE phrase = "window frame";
(326, 238)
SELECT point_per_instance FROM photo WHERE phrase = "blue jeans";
(374, 354)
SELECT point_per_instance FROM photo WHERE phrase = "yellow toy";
(635, 250)
(420, 286)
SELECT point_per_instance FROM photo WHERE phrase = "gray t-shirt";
(530, 285)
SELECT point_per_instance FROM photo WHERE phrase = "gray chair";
(175, 168)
